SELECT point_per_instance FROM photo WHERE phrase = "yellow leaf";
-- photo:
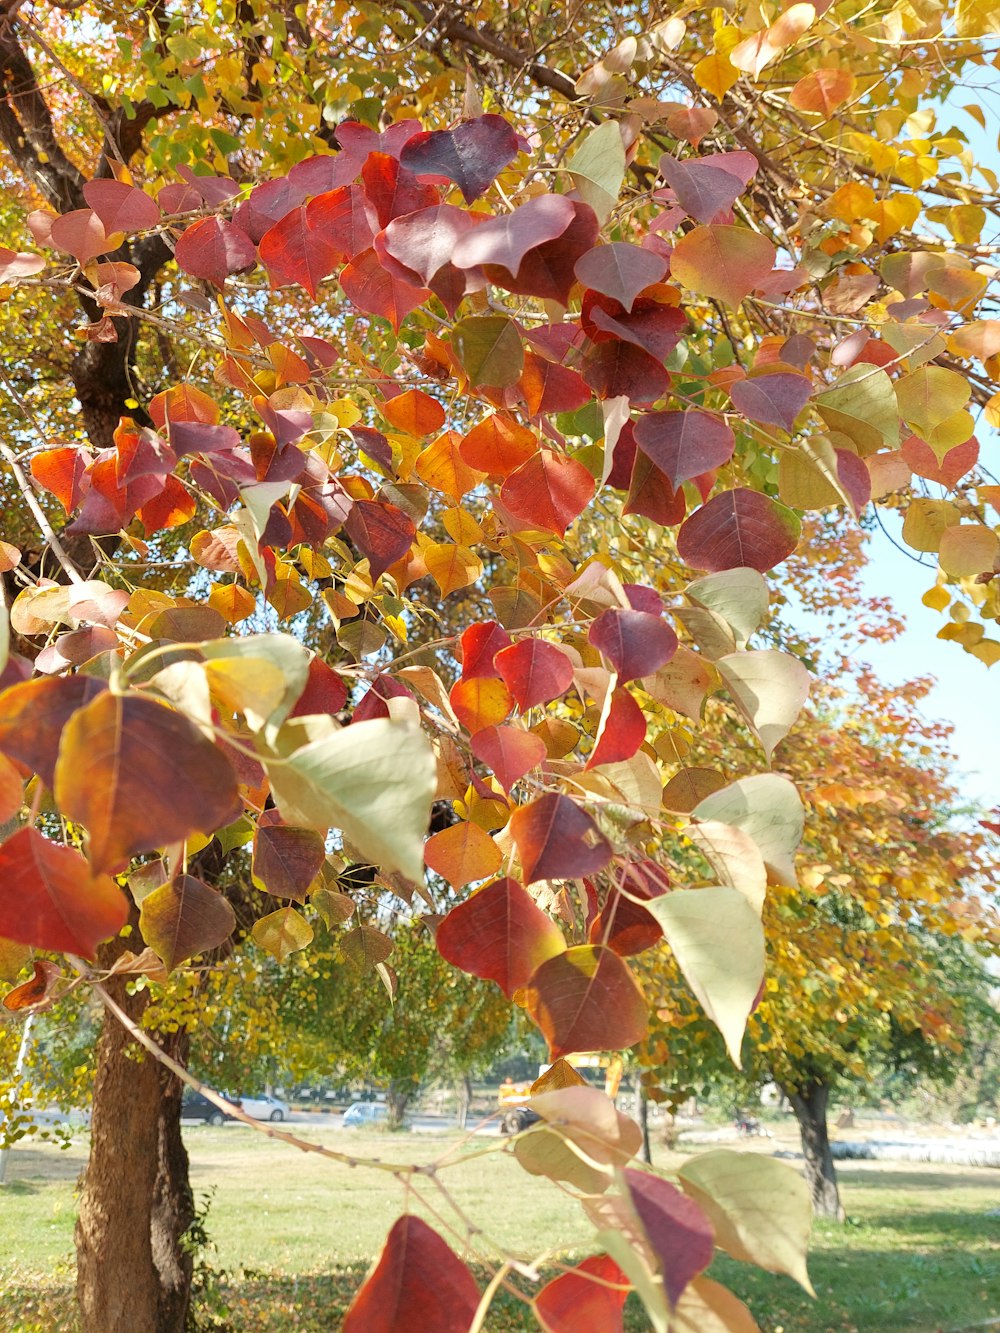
(968, 549)
(232, 601)
(937, 598)
(977, 18)
(715, 74)
(893, 214)
(452, 567)
(966, 222)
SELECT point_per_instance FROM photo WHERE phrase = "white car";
(361, 1114)
(265, 1107)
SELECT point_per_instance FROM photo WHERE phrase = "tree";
(365, 379)
(878, 961)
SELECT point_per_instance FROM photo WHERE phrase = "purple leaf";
(680, 1234)
(471, 155)
(620, 270)
(702, 191)
(655, 328)
(684, 444)
(772, 400)
(505, 240)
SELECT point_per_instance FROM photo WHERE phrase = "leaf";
(375, 290)
(286, 860)
(480, 701)
(81, 234)
(505, 240)
(121, 207)
(738, 596)
(555, 839)
(511, 752)
(471, 155)
(35, 992)
(635, 643)
(822, 91)
(282, 932)
(586, 999)
(678, 1231)
(769, 688)
(462, 854)
(760, 1209)
(735, 858)
(767, 807)
(723, 262)
(573, 1301)
(549, 491)
(757, 52)
(597, 168)
(621, 730)
(928, 397)
(968, 550)
(140, 776)
(684, 444)
(392, 189)
(581, 1123)
(718, 941)
(373, 780)
(414, 412)
(702, 188)
(498, 445)
(52, 899)
(366, 947)
(738, 528)
(213, 249)
(381, 532)
(184, 918)
(862, 406)
(708, 1307)
(452, 567)
(534, 671)
(301, 247)
(624, 924)
(620, 270)
(490, 350)
(14, 265)
(282, 652)
(499, 934)
(480, 643)
(772, 399)
(418, 1285)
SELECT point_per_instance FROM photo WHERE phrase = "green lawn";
(294, 1235)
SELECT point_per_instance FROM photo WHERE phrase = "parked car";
(195, 1106)
(360, 1114)
(265, 1107)
(518, 1118)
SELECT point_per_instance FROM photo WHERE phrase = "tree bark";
(397, 1099)
(136, 1203)
(809, 1103)
(642, 1107)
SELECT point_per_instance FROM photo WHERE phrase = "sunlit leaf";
(419, 1284)
(499, 934)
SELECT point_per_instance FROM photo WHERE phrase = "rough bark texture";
(809, 1104)
(136, 1203)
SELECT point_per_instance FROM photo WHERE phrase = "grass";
(293, 1237)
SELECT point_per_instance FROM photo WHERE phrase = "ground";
(293, 1235)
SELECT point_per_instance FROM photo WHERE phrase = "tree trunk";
(464, 1101)
(397, 1099)
(642, 1107)
(136, 1203)
(809, 1104)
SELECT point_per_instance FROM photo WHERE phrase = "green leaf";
(490, 350)
(738, 596)
(373, 780)
(598, 168)
(769, 688)
(718, 941)
(767, 807)
(760, 1209)
(862, 406)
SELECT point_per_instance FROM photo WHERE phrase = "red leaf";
(37, 990)
(773, 400)
(471, 155)
(480, 643)
(376, 291)
(173, 506)
(81, 234)
(856, 480)
(622, 732)
(61, 471)
(297, 250)
(555, 839)
(549, 388)
(623, 924)
(548, 491)
(32, 717)
(121, 207)
(586, 999)
(504, 241)
(498, 445)
(654, 327)
(213, 248)
(739, 528)
(547, 270)
(680, 1234)
(381, 532)
(534, 671)
(325, 691)
(14, 265)
(684, 444)
(267, 204)
(419, 1286)
(619, 369)
(51, 900)
(424, 242)
(573, 1303)
(509, 751)
(499, 934)
(634, 642)
(414, 412)
(345, 217)
(392, 190)
(922, 460)
(651, 494)
(620, 270)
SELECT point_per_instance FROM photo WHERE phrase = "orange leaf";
(462, 854)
